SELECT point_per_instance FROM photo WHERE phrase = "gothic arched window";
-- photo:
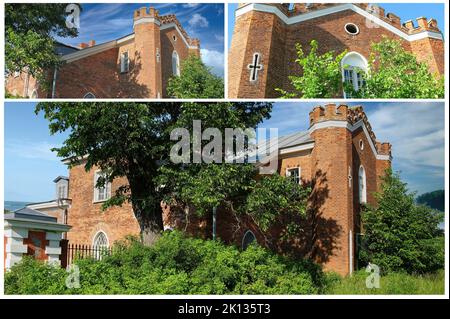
(362, 185)
(100, 245)
(248, 239)
(354, 68)
(175, 64)
(89, 95)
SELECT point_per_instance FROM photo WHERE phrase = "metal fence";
(78, 251)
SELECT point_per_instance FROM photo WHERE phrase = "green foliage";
(275, 196)
(396, 73)
(321, 74)
(400, 235)
(435, 200)
(174, 265)
(132, 140)
(195, 81)
(30, 31)
(396, 283)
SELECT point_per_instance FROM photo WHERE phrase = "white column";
(53, 249)
(14, 245)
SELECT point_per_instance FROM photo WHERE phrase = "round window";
(361, 145)
(351, 28)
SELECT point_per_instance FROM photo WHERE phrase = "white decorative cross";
(255, 67)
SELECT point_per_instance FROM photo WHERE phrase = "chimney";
(91, 43)
(83, 45)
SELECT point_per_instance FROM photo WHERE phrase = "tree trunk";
(150, 223)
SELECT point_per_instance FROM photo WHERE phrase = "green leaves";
(321, 74)
(195, 81)
(30, 31)
(396, 73)
(275, 196)
(400, 235)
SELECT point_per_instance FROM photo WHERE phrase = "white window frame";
(97, 252)
(288, 173)
(362, 185)
(124, 63)
(62, 191)
(353, 69)
(245, 235)
(176, 71)
(107, 192)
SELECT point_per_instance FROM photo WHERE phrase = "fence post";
(64, 244)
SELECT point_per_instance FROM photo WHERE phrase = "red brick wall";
(37, 251)
(87, 218)
(266, 33)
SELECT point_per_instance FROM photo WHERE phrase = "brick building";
(262, 54)
(137, 65)
(338, 156)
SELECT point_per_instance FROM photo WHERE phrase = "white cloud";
(415, 130)
(213, 59)
(39, 150)
(198, 21)
(191, 5)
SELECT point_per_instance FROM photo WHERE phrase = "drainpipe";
(350, 249)
(54, 82)
(214, 222)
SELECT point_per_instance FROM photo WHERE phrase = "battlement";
(296, 9)
(352, 115)
(145, 12)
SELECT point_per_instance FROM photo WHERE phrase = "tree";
(395, 73)
(400, 235)
(435, 200)
(132, 140)
(321, 74)
(195, 81)
(30, 31)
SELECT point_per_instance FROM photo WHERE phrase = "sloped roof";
(30, 214)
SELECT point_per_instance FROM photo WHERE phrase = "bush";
(174, 265)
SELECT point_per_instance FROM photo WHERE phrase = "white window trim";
(299, 173)
(108, 193)
(362, 191)
(125, 68)
(245, 235)
(178, 72)
(95, 237)
(353, 69)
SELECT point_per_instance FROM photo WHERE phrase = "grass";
(391, 284)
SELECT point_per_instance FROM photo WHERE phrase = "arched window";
(175, 64)
(362, 185)
(34, 95)
(354, 66)
(89, 95)
(248, 239)
(100, 245)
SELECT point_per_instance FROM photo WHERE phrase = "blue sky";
(416, 131)
(103, 22)
(406, 11)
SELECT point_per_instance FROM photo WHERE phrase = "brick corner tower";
(146, 25)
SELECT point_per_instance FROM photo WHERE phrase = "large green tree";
(132, 140)
(195, 81)
(30, 31)
(400, 235)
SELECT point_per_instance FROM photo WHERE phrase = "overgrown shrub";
(174, 265)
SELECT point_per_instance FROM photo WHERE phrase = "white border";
(322, 101)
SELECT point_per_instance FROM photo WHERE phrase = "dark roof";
(60, 177)
(30, 214)
(63, 49)
(294, 139)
